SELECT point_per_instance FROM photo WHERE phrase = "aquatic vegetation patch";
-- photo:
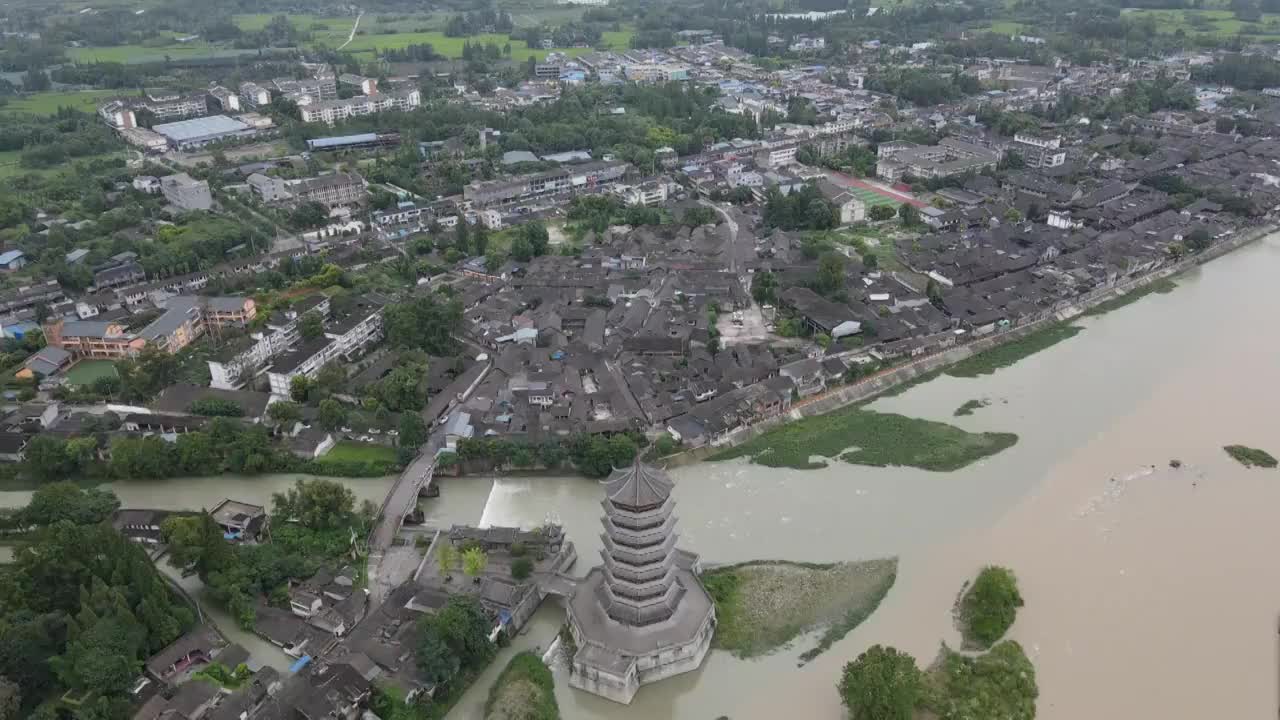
(763, 606)
(1250, 457)
(524, 691)
(865, 437)
(969, 406)
(1002, 356)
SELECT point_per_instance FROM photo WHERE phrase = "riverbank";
(923, 369)
(763, 606)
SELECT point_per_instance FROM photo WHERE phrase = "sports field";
(872, 198)
(86, 371)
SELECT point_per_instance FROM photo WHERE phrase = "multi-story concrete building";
(330, 190)
(332, 111)
(185, 318)
(93, 339)
(647, 194)
(772, 157)
(186, 192)
(167, 105)
(118, 275)
(345, 336)
(586, 178)
(1039, 151)
(226, 100)
(254, 95)
(949, 157)
(363, 85)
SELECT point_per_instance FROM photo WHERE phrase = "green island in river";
(865, 437)
(762, 606)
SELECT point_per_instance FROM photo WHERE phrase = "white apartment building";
(1039, 152)
(332, 111)
(254, 95)
(645, 194)
(777, 156)
(342, 339)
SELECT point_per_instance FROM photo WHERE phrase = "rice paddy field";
(376, 32)
(452, 46)
(147, 53)
(1222, 23)
(47, 103)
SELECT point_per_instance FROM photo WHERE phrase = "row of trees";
(225, 445)
(592, 455)
(802, 209)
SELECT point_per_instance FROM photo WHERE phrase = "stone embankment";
(869, 387)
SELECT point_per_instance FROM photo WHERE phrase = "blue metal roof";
(301, 663)
(342, 140)
(10, 256)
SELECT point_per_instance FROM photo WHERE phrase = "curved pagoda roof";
(639, 487)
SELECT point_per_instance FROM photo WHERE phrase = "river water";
(1150, 591)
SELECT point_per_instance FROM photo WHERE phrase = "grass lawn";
(47, 103)
(763, 606)
(86, 371)
(617, 40)
(1002, 356)
(359, 452)
(865, 437)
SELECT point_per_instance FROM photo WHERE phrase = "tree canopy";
(882, 684)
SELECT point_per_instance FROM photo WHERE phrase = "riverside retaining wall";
(869, 387)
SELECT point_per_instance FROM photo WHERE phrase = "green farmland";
(47, 103)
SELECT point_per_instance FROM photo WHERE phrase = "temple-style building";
(643, 615)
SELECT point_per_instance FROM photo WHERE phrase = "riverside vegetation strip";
(762, 606)
(865, 437)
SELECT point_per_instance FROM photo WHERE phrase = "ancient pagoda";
(643, 615)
